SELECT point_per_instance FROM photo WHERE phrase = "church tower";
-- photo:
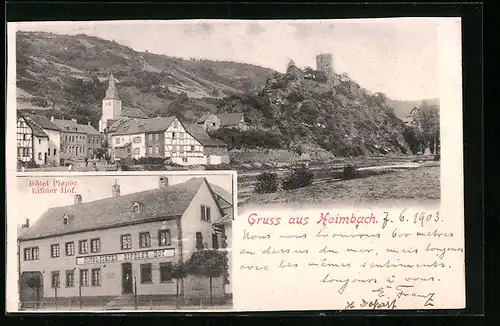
(111, 105)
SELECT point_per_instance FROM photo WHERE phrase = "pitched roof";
(204, 117)
(112, 92)
(69, 126)
(229, 119)
(223, 193)
(199, 133)
(37, 130)
(43, 122)
(226, 219)
(134, 113)
(144, 125)
(89, 130)
(159, 203)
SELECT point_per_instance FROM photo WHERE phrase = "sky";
(398, 57)
(93, 188)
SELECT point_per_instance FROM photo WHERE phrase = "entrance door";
(127, 281)
(45, 159)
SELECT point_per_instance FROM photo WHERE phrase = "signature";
(373, 304)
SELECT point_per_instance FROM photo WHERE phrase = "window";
(70, 278)
(184, 159)
(165, 269)
(176, 124)
(95, 245)
(65, 220)
(173, 135)
(137, 140)
(205, 213)
(157, 137)
(192, 148)
(150, 137)
(55, 280)
(164, 238)
(39, 140)
(96, 277)
(126, 241)
(150, 150)
(136, 208)
(54, 251)
(146, 276)
(39, 155)
(157, 150)
(215, 241)
(84, 277)
(137, 151)
(83, 246)
(145, 240)
(31, 253)
(25, 137)
(70, 248)
(199, 240)
(117, 141)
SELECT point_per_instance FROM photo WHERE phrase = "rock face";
(312, 111)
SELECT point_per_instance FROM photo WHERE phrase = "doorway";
(127, 278)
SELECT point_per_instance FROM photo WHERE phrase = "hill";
(304, 111)
(67, 75)
(402, 109)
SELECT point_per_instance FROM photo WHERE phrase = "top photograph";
(306, 105)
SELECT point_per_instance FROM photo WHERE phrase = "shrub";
(148, 160)
(349, 172)
(300, 177)
(267, 182)
(437, 157)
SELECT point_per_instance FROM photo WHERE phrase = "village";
(128, 139)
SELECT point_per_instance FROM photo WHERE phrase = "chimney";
(88, 123)
(78, 199)
(52, 118)
(115, 189)
(27, 225)
(163, 182)
(74, 120)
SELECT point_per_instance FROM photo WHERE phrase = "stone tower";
(111, 105)
(324, 63)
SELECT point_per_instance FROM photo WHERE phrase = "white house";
(53, 133)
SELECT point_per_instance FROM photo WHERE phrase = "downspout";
(181, 251)
(19, 270)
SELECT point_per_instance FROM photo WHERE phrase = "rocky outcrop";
(312, 112)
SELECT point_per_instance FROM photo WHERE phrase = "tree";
(426, 123)
(176, 271)
(207, 263)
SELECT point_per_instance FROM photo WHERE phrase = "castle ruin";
(324, 63)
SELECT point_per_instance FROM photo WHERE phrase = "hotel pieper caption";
(120, 249)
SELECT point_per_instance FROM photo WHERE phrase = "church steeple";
(111, 105)
(111, 92)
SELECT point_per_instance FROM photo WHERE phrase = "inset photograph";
(125, 242)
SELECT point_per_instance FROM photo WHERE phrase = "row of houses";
(107, 249)
(51, 141)
(129, 133)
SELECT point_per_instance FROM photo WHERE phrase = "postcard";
(230, 165)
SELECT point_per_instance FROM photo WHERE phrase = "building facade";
(53, 137)
(24, 140)
(74, 140)
(32, 142)
(121, 245)
(94, 140)
(184, 144)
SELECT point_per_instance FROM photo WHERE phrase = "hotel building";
(107, 250)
